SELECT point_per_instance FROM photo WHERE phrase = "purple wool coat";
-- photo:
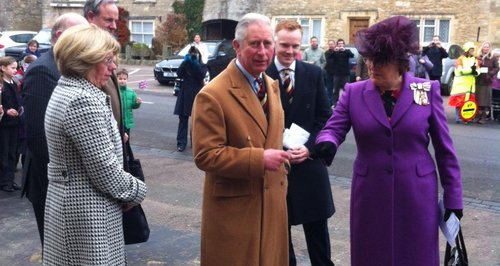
(394, 195)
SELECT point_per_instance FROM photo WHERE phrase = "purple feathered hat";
(389, 40)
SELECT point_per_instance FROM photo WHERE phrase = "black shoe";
(181, 148)
(16, 186)
(7, 188)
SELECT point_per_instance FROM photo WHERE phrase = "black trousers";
(39, 209)
(318, 244)
(182, 131)
(8, 148)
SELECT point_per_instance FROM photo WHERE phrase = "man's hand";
(273, 159)
(298, 155)
(138, 100)
(12, 112)
(125, 137)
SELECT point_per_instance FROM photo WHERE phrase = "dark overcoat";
(39, 83)
(309, 196)
(192, 76)
(394, 195)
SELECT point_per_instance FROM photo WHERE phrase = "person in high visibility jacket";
(464, 84)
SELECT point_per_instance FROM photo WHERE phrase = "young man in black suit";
(39, 83)
(304, 100)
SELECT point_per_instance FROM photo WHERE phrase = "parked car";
(353, 61)
(43, 37)
(454, 52)
(13, 38)
(220, 54)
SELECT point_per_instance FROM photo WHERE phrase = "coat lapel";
(374, 104)
(276, 119)
(245, 95)
(404, 101)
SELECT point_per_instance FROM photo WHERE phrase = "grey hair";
(248, 19)
(93, 5)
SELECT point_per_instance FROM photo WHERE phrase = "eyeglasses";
(109, 60)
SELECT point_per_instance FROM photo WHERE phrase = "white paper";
(295, 136)
(450, 227)
(483, 70)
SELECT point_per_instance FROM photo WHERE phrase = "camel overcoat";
(244, 216)
(394, 195)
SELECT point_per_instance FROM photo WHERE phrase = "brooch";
(420, 92)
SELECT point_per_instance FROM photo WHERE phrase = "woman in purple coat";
(394, 117)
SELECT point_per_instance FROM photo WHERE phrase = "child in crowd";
(32, 48)
(129, 101)
(9, 124)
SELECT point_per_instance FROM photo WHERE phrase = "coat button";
(389, 151)
(389, 171)
(282, 183)
(388, 133)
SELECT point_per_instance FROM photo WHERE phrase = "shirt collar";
(280, 67)
(247, 75)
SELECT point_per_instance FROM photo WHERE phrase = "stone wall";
(465, 16)
(20, 15)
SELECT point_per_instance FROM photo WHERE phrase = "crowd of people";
(68, 114)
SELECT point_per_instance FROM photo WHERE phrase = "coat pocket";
(225, 187)
(57, 173)
(360, 168)
(425, 167)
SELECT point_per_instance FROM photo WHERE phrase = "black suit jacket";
(39, 82)
(309, 195)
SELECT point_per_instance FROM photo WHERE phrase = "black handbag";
(135, 224)
(456, 256)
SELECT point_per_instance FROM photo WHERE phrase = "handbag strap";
(460, 246)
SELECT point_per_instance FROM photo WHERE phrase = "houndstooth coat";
(87, 183)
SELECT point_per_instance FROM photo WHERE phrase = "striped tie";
(288, 84)
(261, 94)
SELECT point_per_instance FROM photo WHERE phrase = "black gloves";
(474, 72)
(325, 151)
(457, 213)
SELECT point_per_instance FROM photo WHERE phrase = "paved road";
(175, 184)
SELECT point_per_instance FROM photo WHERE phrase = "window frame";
(305, 39)
(142, 33)
(422, 26)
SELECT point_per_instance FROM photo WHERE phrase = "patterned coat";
(394, 194)
(87, 184)
(244, 218)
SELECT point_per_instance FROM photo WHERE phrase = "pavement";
(173, 208)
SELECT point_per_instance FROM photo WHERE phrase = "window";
(142, 31)
(427, 28)
(312, 26)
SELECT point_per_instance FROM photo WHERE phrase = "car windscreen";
(43, 37)
(211, 46)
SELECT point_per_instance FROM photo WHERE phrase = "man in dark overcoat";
(304, 100)
(39, 83)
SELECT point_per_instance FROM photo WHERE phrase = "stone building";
(455, 21)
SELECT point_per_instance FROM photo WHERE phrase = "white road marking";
(148, 102)
(134, 71)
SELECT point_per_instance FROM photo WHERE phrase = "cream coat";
(244, 218)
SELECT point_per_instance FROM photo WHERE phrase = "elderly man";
(104, 14)
(237, 140)
(304, 101)
(39, 82)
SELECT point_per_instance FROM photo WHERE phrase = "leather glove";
(325, 151)
(473, 68)
(457, 212)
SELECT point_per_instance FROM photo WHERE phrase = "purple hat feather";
(389, 40)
